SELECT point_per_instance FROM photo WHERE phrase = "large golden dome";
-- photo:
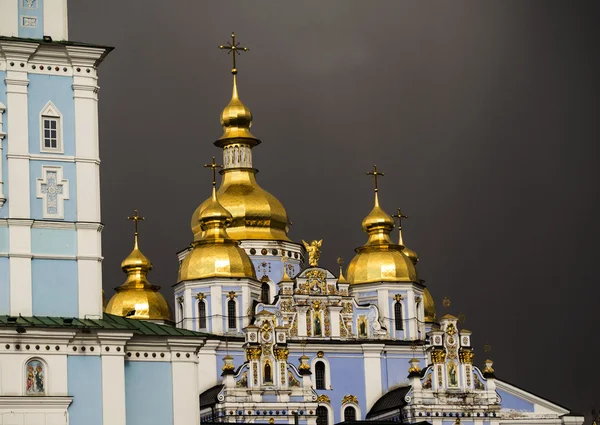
(214, 253)
(255, 213)
(429, 307)
(380, 260)
(137, 298)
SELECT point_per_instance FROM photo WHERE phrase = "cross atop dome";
(235, 48)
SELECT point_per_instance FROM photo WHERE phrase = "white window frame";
(331, 420)
(198, 302)
(356, 409)
(51, 112)
(327, 372)
(237, 315)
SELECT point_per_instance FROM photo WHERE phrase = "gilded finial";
(135, 218)
(235, 48)
(375, 174)
(400, 216)
(342, 278)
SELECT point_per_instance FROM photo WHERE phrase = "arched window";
(398, 316)
(35, 377)
(320, 375)
(265, 296)
(201, 314)
(231, 322)
(322, 416)
(349, 414)
(268, 375)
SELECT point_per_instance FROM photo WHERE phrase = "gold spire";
(286, 277)
(137, 298)
(214, 252)
(340, 262)
(378, 224)
(236, 118)
(405, 250)
(380, 260)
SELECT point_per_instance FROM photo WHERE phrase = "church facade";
(260, 332)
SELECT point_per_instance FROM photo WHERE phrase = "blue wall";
(148, 393)
(52, 241)
(54, 287)
(4, 286)
(510, 401)
(69, 173)
(59, 90)
(84, 381)
(36, 11)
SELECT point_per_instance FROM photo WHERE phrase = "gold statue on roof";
(314, 252)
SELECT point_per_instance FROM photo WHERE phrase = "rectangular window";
(50, 137)
(231, 322)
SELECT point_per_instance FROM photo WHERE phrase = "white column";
(185, 392)
(89, 270)
(334, 313)
(216, 309)
(87, 166)
(19, 234)
(245, 302)
(17, 120)
(9, 19)
(207, 366)
(188, 322)
(411, 313)
(383, 305)
(302, 321)
(2, 134)
(372, 363)
(113, 389)
(55, 19)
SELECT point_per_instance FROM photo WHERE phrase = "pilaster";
(89, 269)
(19, 234)
(372, 362)
(216, 307)
(17, 55)
(113, 377)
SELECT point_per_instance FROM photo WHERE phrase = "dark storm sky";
(483, 116)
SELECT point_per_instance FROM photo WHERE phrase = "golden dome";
(236, 120)
(429, 307)
(214, 252)
(380, 260)
(137, 298)
(256, 214)
(412, 255)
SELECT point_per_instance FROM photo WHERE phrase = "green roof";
(108, 321)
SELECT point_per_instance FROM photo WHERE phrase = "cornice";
(35, 403)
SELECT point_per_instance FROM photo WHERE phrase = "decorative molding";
(349, 399)
(2, 135)
(323, 398)
(53, 189)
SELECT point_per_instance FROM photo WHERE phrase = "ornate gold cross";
(135, 218)
(214, 167)
(235, 48)
(375, 174)
(399, 216)
(340, 261)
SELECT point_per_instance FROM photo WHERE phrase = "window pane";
(349, 413)
(231, 315)
(320, 375)
(322, 416)
(46, 124)
(53, 134)
(53, 143)
(53, 124)
(202, 311)
(398, 316)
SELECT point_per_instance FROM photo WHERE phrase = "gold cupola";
(380, 260)
(137, 298)
(214, 253)
(255, 213)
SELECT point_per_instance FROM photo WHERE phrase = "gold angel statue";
(314, 252)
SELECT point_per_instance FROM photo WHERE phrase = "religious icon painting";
(427, 383)
(362, 326)
(452, 375)
(35, 378)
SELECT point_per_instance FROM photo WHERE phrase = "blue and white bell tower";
(50, 247)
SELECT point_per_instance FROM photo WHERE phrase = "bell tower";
(50, 247)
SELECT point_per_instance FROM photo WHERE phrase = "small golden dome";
(214, 252)
(236, 120)
(137, 298)
(429, 306)
(380, 260)
(412, 255)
